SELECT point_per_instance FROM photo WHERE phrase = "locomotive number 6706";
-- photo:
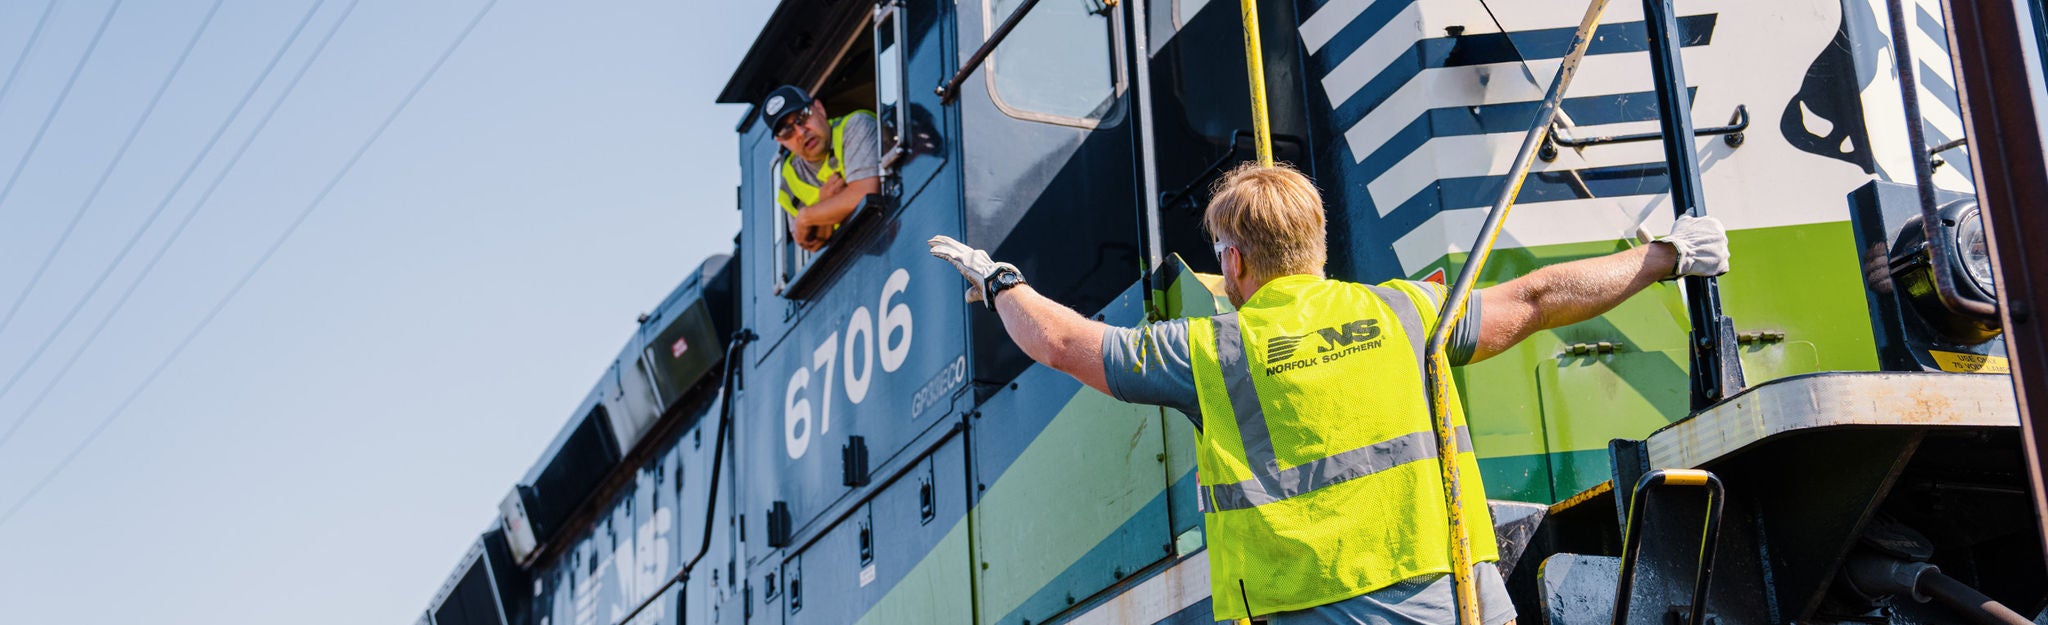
(871, 340)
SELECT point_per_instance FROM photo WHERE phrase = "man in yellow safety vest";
(1317, 463)
(827, 165)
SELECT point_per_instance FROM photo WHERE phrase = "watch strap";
(1002, 279)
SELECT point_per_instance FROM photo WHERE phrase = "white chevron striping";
(1547, 223)
(1885, 113)
(1319, 29)
(1395, 39)
(1495, 83)
(1491, 155)
(1524, 15)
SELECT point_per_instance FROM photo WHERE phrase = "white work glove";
(975, 265)
(1702, 246)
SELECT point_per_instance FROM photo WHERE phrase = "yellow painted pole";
(1437, 368)
(1256, 63)
(1262, 129)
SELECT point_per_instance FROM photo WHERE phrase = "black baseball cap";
(784, 101)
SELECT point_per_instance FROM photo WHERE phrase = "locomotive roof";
(796, 46)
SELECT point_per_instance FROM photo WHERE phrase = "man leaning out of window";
(828, 163)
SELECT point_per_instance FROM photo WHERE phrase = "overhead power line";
(33, 37)
(190, 169)
(282, 238)
(108, 173)
(65, 94)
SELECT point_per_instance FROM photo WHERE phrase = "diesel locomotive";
(836, 437)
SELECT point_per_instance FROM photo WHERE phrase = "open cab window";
(865, 76)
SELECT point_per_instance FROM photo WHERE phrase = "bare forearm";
(835, 209)
(1583, 289)
(1054, 335)
(1561, 295)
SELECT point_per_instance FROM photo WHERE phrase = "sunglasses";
(1220, 246)
(787, 128)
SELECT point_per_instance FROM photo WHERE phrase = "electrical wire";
(1527, 72)
(279, 242)
(34, 36)
(108, 173)
(62, 96)
(190, 169)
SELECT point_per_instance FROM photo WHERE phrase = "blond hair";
(1273, 215)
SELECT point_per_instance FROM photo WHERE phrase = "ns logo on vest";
(1351, 337)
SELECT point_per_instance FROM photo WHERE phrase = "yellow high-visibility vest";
(1318, 472)
(807, 193)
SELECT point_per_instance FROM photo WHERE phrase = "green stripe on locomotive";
(1543, 420)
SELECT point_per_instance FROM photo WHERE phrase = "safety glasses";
(787, 128)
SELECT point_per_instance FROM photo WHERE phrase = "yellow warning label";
(1954, 362)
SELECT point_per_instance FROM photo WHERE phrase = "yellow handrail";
(1438, 370)
(1256, 64)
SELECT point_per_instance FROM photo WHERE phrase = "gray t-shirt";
(1151, 365)
(862, 158)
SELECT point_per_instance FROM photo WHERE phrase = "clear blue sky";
(328, 447)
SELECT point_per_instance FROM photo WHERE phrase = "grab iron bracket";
(1730, 134)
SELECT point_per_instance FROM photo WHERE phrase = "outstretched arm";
(1054, 335)
(1561, 295)
(1049, 333)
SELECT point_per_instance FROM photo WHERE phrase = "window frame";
(891, 155)
(793, 264)
(791, 261)
(1118, 81)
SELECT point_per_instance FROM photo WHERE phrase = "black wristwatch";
(1003, 279)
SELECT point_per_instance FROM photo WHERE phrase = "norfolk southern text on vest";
(1337, 342)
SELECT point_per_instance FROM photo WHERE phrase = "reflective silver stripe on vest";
(1337, 469)
(1411, 320)
(1244, 397)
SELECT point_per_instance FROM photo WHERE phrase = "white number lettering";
(796, 414)
(894, 320)
(860, 366)
(872, 340)
(822, 359)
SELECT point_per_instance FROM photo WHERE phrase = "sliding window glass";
(1058, 65)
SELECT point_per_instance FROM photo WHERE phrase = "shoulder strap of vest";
(1411, 319)
(786, 196)
(836, 161)
(1244, 396)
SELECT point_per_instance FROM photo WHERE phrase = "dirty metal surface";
(1172, 591)
(1514, 527)
(1834, 399)
(1578, 589)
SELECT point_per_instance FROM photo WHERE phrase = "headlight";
(1967, 263)
(1974, 249)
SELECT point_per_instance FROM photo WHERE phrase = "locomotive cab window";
(839, 139)
(1059, 64)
